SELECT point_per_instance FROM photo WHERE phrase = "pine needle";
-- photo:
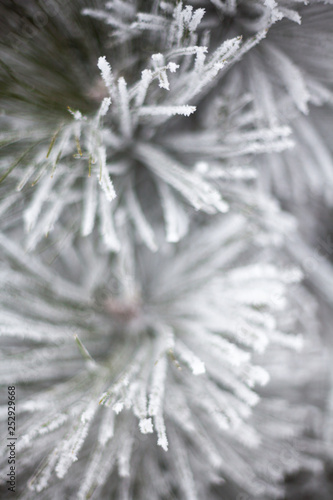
(18, 161)
(52, 142)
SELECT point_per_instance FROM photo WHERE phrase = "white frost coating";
(187, 51)
(32, 405)
(257, 375)
(118, 407)
(175, 218)
(40, 481)
(122, 7)
(140, 400)
(103, 175)
(184, 21)
(198, 192)
(149, 22)
(271, 4)
(173, 67)
(106, 71)
(225, 51)
(159, 424)
(161, 70)
(293, 15)
(104, 106)
(108, 231)
(218, 60)
(90, 474)
(72, 446)
(146, 426)
(166, 110)
(157, 386)
(248, 334)
(158, 60)
(77, 115)
(276, 14)
(27, 439)
(89, 206)
(196, 19)
(195, 364)
(46, 222)
(200, 59)
(141, 92)
(124, 108)
(231, 352)
(114, 390)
